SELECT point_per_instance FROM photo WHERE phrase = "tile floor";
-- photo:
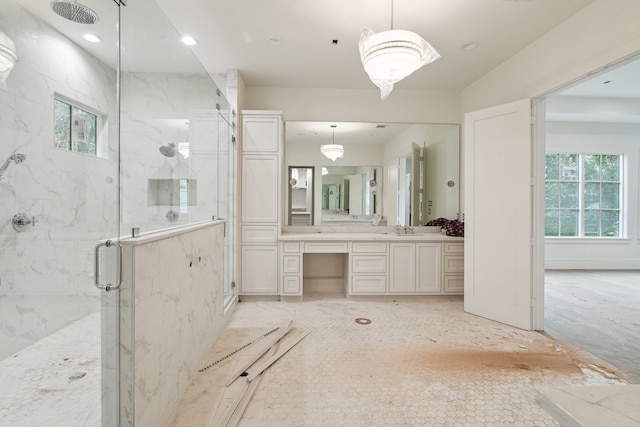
(418, 363)
(56, 381)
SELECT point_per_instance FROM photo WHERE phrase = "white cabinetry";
(291, 260)
(415, 268)
(453, 267)
(260, 203)
(368, 268)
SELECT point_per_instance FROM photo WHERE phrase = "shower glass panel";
(58, 333)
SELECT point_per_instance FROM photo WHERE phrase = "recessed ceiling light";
(275, 41)
(189, 41)
(92, 38)
(469, 46)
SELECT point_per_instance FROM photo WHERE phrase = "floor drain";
(77, 376)
(363, 321)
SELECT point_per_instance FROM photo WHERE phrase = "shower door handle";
(108, 287)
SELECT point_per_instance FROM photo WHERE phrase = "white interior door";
(498, 214)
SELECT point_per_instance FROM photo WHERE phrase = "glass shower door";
(59, 186)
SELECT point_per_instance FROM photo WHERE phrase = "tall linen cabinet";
(260, 201)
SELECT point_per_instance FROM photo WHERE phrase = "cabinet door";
(402, 267)
(260, 188)
(428, 274)
(260, 134)
(259, 270)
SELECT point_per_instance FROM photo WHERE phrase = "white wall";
(603, 32)
(344, 105)
(599, 253)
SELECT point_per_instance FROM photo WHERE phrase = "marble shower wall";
(163, 108)
(171, 314)
(46, 272)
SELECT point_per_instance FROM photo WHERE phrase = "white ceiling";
(237, 34)
(289, 43)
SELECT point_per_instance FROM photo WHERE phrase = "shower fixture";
(168, 150)
(16, 157)
(74, 11)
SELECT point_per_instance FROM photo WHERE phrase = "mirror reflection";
(416, 164)
(351, 194)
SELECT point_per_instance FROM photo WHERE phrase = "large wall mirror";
(389, 173)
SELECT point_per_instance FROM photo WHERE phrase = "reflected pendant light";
(333, 150)
(390, 56)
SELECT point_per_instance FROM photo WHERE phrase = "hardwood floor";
(597, 311)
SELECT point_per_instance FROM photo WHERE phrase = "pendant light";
(390, 56)
(333, 150)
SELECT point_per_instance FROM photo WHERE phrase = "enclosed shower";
(81, 126)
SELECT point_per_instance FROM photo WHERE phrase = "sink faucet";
(408, 230)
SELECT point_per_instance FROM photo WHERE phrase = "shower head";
(73, 11)
(15, 157)
(168, 150)
(18, 157)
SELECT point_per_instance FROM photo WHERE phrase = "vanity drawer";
(369, 247)
(453, 263)
(291, 247)
(451, 247)
(369, 264)
(291, 285)
(259, 233)
(454, 284)
(368, 284)
(326, 247)
(290, 264)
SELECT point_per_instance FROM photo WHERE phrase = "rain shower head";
(168, 150)
(73, 11)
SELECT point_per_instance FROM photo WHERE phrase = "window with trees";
(583, 195)
(75, 128)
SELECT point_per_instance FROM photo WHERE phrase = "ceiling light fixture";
(92, 38)
(332, 151)
(390, 56)
(188, 40)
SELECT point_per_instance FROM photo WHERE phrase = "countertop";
(422, 234)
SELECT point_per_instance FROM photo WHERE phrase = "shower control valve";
(20, 221)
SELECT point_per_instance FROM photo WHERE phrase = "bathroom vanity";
(376, 262)
(337, 251)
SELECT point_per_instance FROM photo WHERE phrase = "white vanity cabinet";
(260, 203)
(291, 267)
(376, 264)
(368, 268)
(415, 268)
(453, 267)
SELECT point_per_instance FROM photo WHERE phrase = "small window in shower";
(75, 128)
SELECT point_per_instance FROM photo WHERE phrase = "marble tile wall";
(171, 314)
(162, 108)
(46, 272)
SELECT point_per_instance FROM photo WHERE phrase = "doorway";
(591, 268)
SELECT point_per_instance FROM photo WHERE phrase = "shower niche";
(172, 192)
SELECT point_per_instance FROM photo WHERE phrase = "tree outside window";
(75, 129)
(583, 195)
